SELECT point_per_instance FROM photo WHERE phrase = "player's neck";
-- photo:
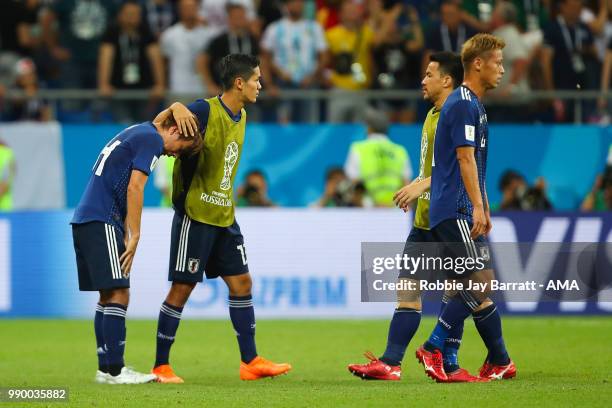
(232, 101)
(440, 101)
(475, 86)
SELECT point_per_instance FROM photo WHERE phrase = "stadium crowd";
(172, 46)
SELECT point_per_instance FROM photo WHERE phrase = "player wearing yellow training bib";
(205, 237)
(444, 73)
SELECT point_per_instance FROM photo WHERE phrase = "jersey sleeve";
(147, 147)
(462, 121)
(201, 109)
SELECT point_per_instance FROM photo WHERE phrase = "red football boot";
(498, 372)
(434, 367)
(462, 375)
(375, 369)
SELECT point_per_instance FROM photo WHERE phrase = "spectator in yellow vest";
(7, 175)
(382, 166)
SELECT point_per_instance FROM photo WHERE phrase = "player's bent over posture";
(444, 73)
(205, 237)
(106, 231)
(459, 209)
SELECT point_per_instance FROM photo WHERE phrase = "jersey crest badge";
(193, 265)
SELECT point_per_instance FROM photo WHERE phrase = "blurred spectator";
(30, 106)
(570, 51)
(450, 32)
(382, 166)
(478, 13)
(159, 15)
(328, 13)
(340, 192)
(7, 176)
(14, 21)
(293, 50)
(237, 39)
(600, 196)
(532, 16)
(181, 44)
(350, 45)
(514, 85)
(268, 12)
(254, 191)
(163, 179)
(606, 72)
(214, 13)
(517, 195)
(397, 57)
(130, 59)
(595, 15)
(73, 30)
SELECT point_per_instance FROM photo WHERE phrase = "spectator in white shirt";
(181, 45)
(214, 12)
(294, 51)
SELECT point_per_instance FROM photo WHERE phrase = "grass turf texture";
(561, 362)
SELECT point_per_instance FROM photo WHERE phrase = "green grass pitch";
(561, 362)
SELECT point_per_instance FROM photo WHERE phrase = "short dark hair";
(333, 172)
(234, 66)
(450, 64)
(508, 177)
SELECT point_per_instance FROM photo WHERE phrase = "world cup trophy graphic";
(231, 156)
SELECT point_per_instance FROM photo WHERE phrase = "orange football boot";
(259, 367)
(165, 374)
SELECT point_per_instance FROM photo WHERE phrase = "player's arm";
(487, 209)
(463, 119)
(135, 200)
(407, 194)
(469, 175)
(185, 120)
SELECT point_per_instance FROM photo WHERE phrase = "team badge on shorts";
(484, 253)
(193, 265)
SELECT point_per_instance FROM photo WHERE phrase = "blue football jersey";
(463, 122)
(105, 198)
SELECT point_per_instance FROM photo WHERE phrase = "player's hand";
(489, 224)
(404, 196)
(185, 120)
(480, 222)
(127, 257)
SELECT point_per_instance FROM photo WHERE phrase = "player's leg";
(487, 320)
(228, 259)
(242, 314)
(99, 247)
(86, 284)
(405, 321)
(450, 320)
(190, 244)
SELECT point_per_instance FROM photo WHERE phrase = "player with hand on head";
(106, 231)
(205, 237)
(444, 73)
(459, 209)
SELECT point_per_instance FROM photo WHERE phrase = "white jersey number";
(108, 149)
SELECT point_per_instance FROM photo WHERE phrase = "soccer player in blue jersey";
(106, 231)
(444, 74)
(459, 209)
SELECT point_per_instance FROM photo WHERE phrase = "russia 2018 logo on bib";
(193, 265)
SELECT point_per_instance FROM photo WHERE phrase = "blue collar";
(235, 118)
